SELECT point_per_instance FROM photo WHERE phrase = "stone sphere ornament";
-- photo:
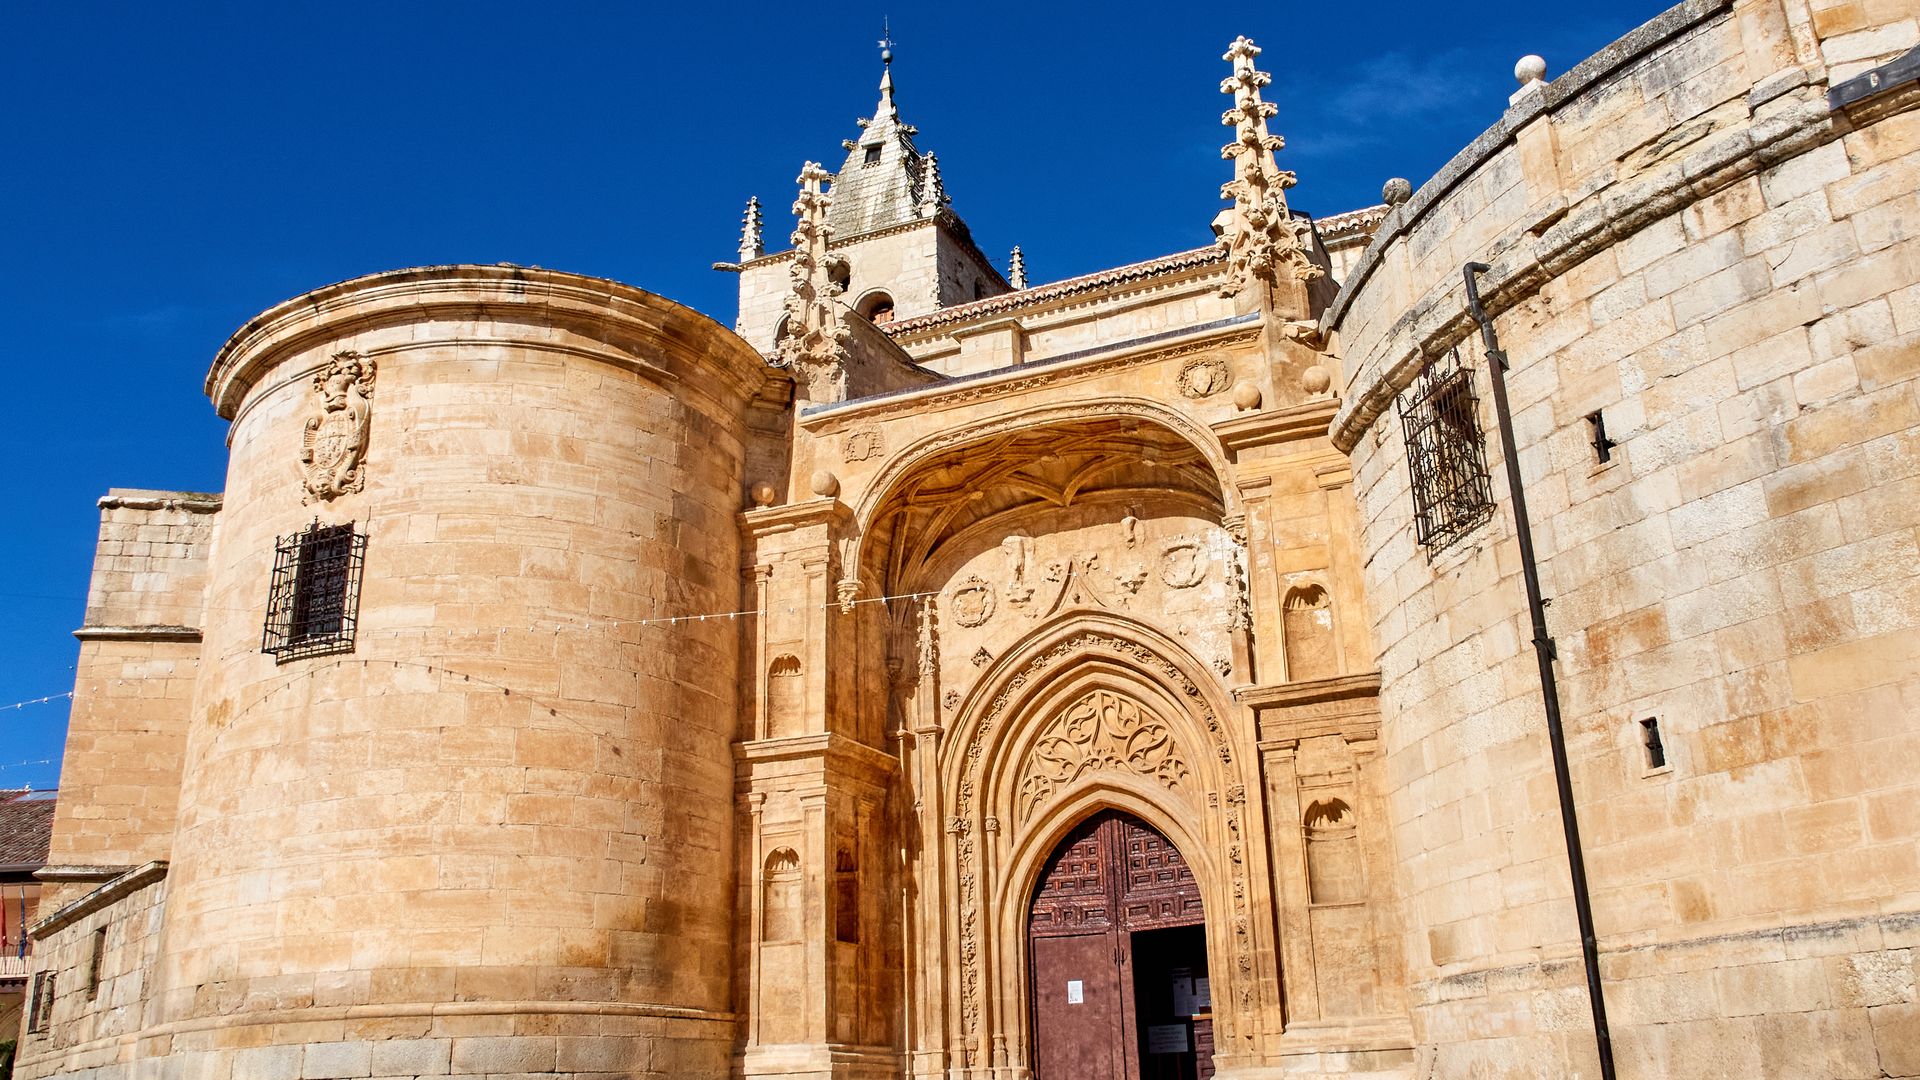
(825, 484)
(1530, 69)
(763, 494)
(1315, 380)
(1396, 191)
(1246, 397)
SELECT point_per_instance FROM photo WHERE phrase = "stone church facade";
(937, 675)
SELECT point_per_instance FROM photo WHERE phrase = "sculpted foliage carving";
(333, 446)
(1102, 731)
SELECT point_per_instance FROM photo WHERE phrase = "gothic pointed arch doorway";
(1117, 950)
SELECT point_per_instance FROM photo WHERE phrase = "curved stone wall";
(1687, 240)
(495, 836)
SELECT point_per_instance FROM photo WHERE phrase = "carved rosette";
(972, 602)
(333, 443)
(1183, 564)
(1102, 731)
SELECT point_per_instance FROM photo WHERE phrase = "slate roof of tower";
(887, 191)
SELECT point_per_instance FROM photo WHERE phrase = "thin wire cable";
(37, 701)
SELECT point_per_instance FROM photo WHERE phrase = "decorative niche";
(781, 914)
(1334, 874)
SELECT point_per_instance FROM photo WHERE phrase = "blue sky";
(176, 168)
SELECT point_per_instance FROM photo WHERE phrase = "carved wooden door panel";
(1110, 877)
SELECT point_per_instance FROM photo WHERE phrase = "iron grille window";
(1440, 420)
(315, 597)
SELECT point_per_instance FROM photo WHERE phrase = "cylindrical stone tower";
(479, 822)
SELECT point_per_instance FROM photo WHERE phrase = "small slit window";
(1440, 421)
(873, 156)
(40, 1009)
(1602, 446)
(95, 962)
(1650, 739)
(314, 602)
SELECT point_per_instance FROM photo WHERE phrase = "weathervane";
(886, 41)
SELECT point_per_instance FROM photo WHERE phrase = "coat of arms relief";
(333, 447)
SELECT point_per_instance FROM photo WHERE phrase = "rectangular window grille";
(314, 601)
(1440, 421)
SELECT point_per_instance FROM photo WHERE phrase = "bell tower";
(900, 249)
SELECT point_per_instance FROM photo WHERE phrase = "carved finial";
(1261, 235)
(1017, 269)
(1531, 73)
(815, 345)
(933, 192)
(752, 243)
(886, 40)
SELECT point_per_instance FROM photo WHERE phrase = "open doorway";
(1118, 947)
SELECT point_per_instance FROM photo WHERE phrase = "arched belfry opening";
(1118, 984)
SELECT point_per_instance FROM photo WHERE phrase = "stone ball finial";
(1246, 397)
(763, 494)
(1315, 380)
(1530, 69)
(1396, 191)
(825, 484)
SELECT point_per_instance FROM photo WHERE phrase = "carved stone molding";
(333, 443)
(1102, 731)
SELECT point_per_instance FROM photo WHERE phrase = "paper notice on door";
(1076, 993)
(1166, 1038)
(1202, 993)
(1183, 997)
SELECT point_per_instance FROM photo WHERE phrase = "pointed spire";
(815, 343)
(886, 108)
(752, 243)
(933, 192)
(1261, 235)
(1017, 269)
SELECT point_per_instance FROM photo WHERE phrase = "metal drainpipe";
(1549, 689)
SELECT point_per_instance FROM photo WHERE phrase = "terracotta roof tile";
(26, 827)
(1041, 293)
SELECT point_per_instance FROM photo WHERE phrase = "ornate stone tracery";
(1100, 731)
(976, 870)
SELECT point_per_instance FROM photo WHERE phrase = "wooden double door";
(1119, 959)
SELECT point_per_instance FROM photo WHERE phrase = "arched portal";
(1117, 975)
